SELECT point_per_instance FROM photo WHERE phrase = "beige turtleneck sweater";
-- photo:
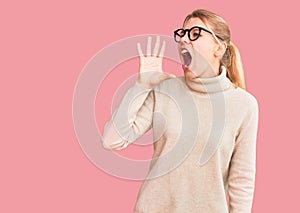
(204, 144)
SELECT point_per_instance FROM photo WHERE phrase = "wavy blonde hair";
(231, 58)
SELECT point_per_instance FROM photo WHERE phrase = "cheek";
(204, 48)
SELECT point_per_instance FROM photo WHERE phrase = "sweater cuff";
(143, 86)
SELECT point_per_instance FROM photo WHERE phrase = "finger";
(162, 50)
(149, 46)
(140, 49)
(155, 51)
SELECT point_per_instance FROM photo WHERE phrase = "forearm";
(134, 116)
(130, 120)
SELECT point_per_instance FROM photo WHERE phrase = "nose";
(185, 39)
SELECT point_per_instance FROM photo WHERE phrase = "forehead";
(193, 22)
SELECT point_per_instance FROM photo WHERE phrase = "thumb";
(166, 76)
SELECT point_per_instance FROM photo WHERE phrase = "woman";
(205, 144)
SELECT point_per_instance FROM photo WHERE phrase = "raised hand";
(151, 73)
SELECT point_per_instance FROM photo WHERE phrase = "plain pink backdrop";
(43, 49)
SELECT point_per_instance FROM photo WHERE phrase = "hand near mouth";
(151, 73)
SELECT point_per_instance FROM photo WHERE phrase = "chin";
(187, 73)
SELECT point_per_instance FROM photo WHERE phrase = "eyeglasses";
(193, 33)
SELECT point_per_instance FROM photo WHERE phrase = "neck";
(212, 70)
(215, 71)
(214, 84)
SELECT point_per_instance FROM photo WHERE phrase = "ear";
(220, 49)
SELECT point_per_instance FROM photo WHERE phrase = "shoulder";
(243, 108)
(244, 99)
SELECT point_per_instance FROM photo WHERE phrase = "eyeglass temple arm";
(211, 32)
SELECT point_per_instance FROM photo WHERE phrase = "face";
(200, 57)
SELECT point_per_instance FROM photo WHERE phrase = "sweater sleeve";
(131, 119)
(242, 169)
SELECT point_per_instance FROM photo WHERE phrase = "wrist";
(143, 85)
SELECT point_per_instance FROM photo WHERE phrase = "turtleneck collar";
(210, 85)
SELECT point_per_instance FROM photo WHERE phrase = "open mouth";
(186, 57)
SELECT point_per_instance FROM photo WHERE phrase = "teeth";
(184, 51)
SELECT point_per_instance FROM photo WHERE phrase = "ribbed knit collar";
(210, 85)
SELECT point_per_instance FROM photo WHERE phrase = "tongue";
(187, 58)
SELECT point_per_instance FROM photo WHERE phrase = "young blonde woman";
(204, 123)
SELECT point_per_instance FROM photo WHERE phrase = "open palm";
(151, 73)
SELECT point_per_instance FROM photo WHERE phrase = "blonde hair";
(231, 58)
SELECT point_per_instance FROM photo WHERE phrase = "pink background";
(44, 47)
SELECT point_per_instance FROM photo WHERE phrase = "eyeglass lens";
(193, 33)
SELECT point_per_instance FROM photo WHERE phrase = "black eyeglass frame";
(189, 30)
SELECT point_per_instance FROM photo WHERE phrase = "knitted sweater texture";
(204, 144)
